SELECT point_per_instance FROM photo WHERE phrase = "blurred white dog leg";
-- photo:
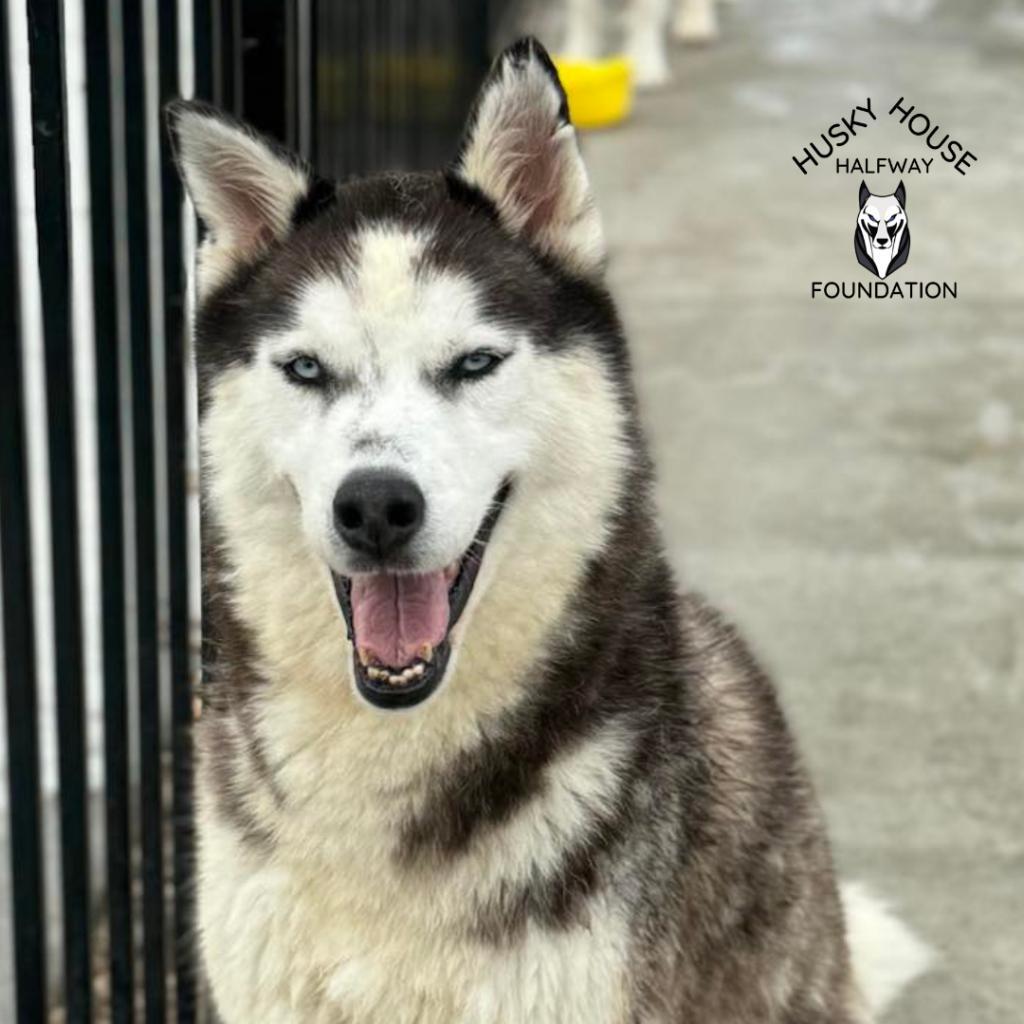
(696, 21)
(887, 956)
(646, 44)
(584, 22)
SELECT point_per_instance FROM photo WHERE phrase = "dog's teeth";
(364, 656)
(409, 673)
(418, 669)
(376, 673)
(426, 652)
(395, 680)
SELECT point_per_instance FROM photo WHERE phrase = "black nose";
(377, 511)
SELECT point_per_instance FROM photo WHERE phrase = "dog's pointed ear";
(864, 193)
(520, 150)
(245, 190)
(901, 195)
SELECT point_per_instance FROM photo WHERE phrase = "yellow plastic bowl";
(600, 92)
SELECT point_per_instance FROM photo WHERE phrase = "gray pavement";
(846, 478)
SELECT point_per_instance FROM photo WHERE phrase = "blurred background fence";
(99, 546)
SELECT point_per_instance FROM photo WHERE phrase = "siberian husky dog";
(645, 24)
(882, 238)
(466, 755)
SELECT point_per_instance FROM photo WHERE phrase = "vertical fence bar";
(227, 55)
(264, 63)
(202, 30)
(306, 70)
(177, 528)
(19, 626)
(217, 54)
(361, 52)
(205, 32)
(46, 57)
(144, 507)
(108, 428)
(235, 41)
(290, 40)
(207, 70)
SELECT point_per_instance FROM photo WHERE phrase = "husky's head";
(882, 238)
(413, 414)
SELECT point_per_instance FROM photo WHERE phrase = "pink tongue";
(394, 616)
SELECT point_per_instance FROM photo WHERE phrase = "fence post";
(144, 508)
(18, 620)
(177, 529)
(117, 793)
(49, 145)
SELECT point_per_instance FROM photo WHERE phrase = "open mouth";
(400, 624)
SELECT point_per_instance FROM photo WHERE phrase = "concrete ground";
(846, 478)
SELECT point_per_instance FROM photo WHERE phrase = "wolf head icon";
(882, 237)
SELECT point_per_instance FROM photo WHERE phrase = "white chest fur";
(283, 946)
(328, 928)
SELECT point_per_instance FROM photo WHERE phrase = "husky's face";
(882, 229)
(391, 404)
(384, 364)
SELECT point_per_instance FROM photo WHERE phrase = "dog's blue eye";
(304, 370)
(475, 364)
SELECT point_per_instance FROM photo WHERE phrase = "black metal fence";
(108, 959)
(355, 86)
